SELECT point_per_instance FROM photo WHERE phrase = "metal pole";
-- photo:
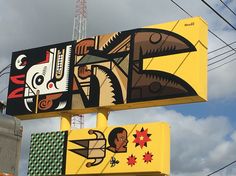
(102, 118)
(65, 122)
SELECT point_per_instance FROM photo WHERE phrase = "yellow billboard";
(128, 150)
(161, 64)
(156, 65)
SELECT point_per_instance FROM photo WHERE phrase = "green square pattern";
(47, 154)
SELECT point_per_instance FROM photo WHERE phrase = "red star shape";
(147, 157)
(131, 160)
(141, 138)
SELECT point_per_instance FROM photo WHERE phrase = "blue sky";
(203, 134)
(202, 110)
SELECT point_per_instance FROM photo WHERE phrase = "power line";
(220, 55)
(222, 168)
(221, 59)
(233, 49)
(4, 74)
(208, 29)
(218, 14)
(221, 39)
(181, 8)
(222, 64)
(5, 68)
(228, 7)
(3, 89)
(229, 45)
(221, 48)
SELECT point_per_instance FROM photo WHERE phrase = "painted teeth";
(59, 65)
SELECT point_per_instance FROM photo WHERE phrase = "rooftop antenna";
(79, 32)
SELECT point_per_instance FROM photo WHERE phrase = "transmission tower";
(79, 32)
(77, 121)
(80, 20)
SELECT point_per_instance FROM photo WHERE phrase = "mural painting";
(155, 65)
(92, 148)
(40, 80)
(117, 150)
(114, 150)
(106, 64)
(142, 67)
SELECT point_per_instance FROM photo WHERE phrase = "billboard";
(131, 149)
(155, 65)
(40, 79)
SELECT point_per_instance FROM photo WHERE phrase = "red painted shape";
(131, 160)
(18, 79)
(147, 157)
(141, 138)
(46, 60)
(75, 87)
(50, 85)
(17, 93)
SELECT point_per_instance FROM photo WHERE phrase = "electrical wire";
(222, 65)
(220, 54)
(3, 89)
(221, 59)
(222, 168)
(221, 48)
(181, 8)
(221, 39)
(208, 29)
(218, 14)
(5, 68)
(4, 74)
(227, 45)
(228, 7)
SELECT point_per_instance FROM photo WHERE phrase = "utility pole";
(79, 32)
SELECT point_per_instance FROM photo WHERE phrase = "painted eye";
(39, 80)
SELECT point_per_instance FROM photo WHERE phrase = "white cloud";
(222, 82)
(194, 141)
(28, 24)
(198, 146)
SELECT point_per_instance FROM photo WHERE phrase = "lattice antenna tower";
(79, 32)
(80, 20)
(77, 121)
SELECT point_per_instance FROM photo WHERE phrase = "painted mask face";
(121, 141)
(50, 75)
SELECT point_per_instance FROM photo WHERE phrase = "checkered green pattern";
(47, 153)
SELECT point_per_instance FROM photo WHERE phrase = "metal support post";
(65, 122)
(102, 118)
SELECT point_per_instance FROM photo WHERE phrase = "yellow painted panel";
(156, 65)
(130, 149)
(191, 66)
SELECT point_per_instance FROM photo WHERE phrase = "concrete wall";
(10, 144)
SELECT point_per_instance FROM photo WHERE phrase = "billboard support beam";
(65, 122)
(102, 118)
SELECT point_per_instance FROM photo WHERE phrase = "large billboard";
(155, 65)
(40, 79)
(127, 150)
